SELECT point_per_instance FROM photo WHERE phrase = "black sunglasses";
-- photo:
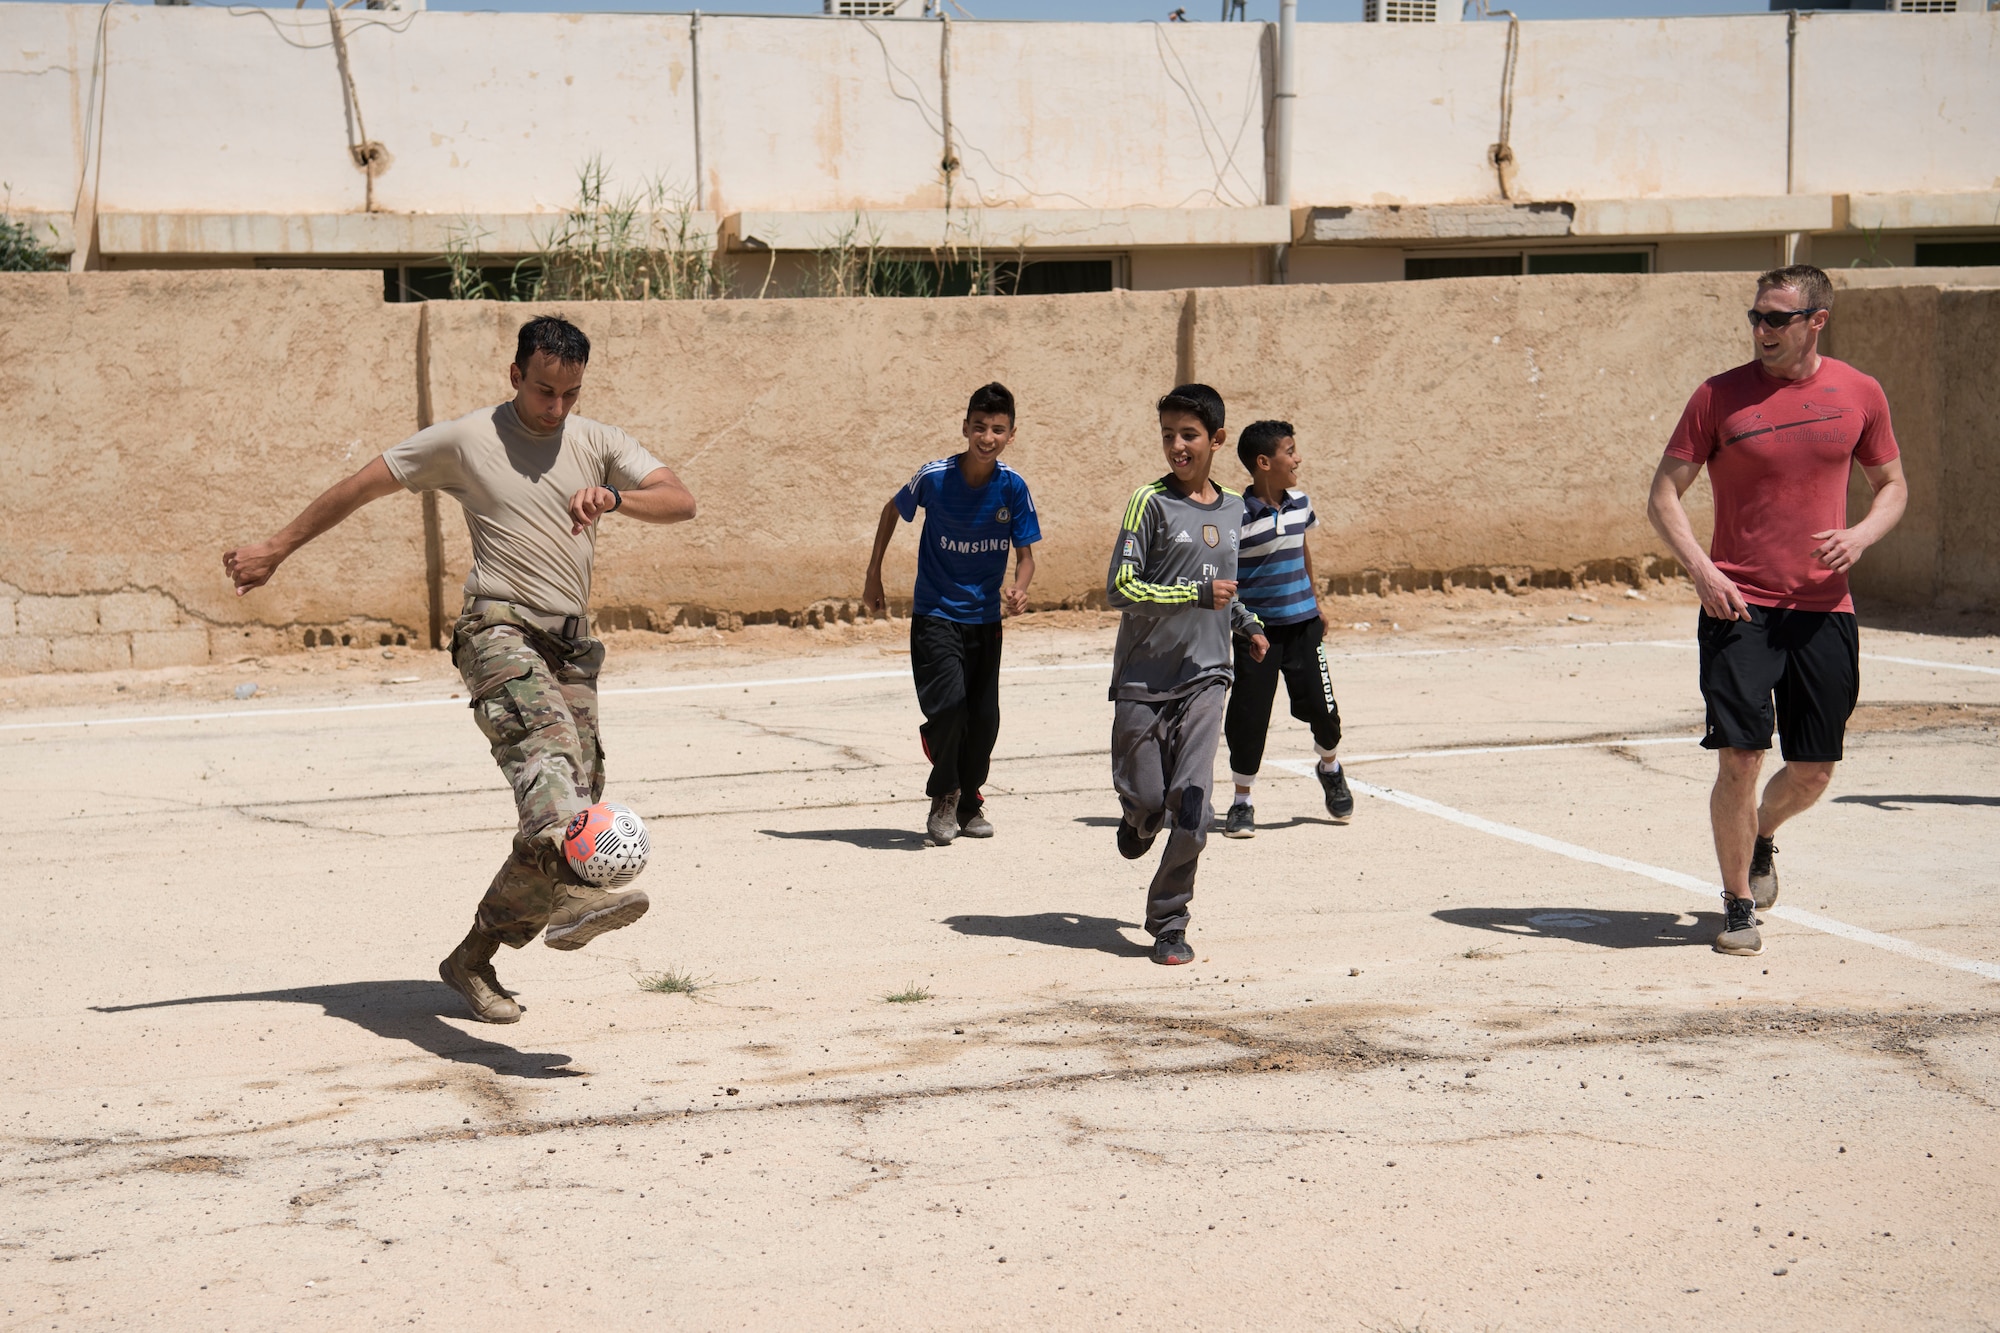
(1778, 319)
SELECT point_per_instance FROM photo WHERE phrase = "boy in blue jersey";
(1275, 580)
(1173, 574)
(975, 509)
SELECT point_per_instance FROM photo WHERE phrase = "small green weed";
(910, 994)
(673, 981)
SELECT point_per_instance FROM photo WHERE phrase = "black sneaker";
(1339, 800)
(1763, 874)
(1739, 928)
(1171, 949)
(1130, 845)
(1242, 821)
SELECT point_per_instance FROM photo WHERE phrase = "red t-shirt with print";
(1778, 454)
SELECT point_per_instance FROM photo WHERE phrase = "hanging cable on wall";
(1500, 156)
(368, 155)
(949, 163)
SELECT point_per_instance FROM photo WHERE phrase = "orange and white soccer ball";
(606, 844)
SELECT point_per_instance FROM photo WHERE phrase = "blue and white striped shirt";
(1271, 561)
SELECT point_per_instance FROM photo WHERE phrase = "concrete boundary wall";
(1934, 351)
(1484, 431)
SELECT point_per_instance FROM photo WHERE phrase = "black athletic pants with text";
(957, 668)
(1297, 654)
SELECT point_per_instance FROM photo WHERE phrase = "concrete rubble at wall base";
(1478, 433)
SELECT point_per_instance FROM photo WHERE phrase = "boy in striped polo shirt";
(976, 509)
(1275, 580)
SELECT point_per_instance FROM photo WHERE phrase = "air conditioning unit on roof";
(1411, 11)
(861, 9)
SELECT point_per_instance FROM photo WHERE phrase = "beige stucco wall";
(1969, 448)
(793, 421)
(1933, 350)
(1482, 421)
(154, 419)
(1451, 429)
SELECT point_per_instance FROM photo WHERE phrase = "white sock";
(1243, 782)
(1328, 764)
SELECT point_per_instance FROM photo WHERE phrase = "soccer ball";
(606, 844)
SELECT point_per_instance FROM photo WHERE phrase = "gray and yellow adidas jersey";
(1171, 550)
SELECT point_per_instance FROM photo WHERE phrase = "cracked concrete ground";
(1421, 1076)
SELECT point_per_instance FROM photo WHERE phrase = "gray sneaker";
(972, 820)
(1763, 874)
(1241, 822)
(1739, 928)
(942, 826)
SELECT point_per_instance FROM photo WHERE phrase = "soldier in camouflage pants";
(534, 696)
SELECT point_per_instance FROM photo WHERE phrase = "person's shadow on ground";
(1215, 828)
(1068, 930)
(868, 839)
(409, 1011)
(1899, 802)
(1606, 928)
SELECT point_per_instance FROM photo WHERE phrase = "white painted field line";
(1921, 662)
(1867, 657)
(237, 714)
(1692, 883)
(1305, 769)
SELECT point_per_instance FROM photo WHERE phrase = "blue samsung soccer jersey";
(1271, 560)
(962, 553)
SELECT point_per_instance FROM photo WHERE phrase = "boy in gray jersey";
(1173, 574)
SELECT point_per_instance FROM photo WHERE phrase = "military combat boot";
(583, 913)
(469, 971)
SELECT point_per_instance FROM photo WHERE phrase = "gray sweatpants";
(1162, 765)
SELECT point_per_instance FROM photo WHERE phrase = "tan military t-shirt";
(515, 487)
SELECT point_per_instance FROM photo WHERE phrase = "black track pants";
(957, 668)
(1297, 654)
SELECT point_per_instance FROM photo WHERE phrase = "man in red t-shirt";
(1779, 436)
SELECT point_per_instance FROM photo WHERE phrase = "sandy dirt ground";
(1466, 1063)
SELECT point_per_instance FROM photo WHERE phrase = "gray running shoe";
(1241, 821)
(972, 820)
(1739, 929)
(1171, 949)
(942, 826)
(1763, 874)
(1339, 800)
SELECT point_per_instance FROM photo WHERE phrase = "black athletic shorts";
(1807, 662)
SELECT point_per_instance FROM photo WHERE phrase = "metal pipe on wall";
(694, 82)
(1791, 249)
(948, 163)
(1283, 103)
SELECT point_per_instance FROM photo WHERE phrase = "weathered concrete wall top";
(221, 111)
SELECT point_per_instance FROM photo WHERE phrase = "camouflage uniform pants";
(534, 696)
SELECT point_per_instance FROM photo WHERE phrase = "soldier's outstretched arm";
(252, 566)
